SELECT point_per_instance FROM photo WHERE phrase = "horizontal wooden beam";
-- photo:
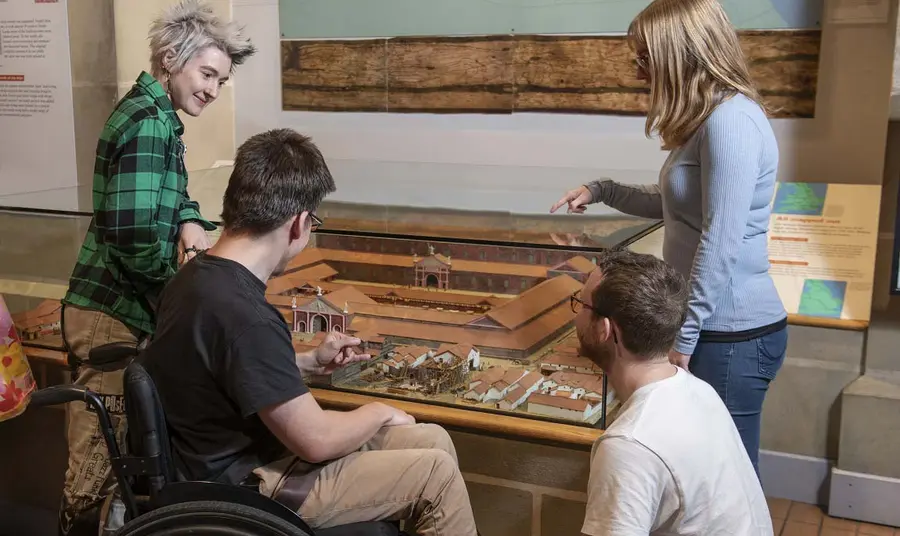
(468, 420)
(507, 74)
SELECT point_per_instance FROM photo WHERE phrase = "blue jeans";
(741, 372)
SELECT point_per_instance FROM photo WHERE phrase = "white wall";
(524, 162)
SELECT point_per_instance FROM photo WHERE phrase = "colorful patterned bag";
(16, 380)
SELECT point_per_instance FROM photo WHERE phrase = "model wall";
(398, 275)
(475, 252)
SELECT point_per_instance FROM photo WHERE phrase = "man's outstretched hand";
(336, 351)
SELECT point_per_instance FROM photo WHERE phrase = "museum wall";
(93, 61)
(523, 161)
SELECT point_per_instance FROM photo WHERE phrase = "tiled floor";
(798, 519)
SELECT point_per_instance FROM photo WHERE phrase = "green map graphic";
(307, 19)
(800, 198)
(821, 297)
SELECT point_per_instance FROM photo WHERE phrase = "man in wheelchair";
(232, 387)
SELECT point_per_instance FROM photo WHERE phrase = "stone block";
(561, 517)
(521, 461)
(92, 42)
(884, 339)
(870, 427)
(801, 414)
(823, 344)
(499, 510)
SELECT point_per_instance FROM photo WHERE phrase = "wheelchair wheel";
(209, 518)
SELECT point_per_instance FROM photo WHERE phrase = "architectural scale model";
(432, 334)
(436, 334)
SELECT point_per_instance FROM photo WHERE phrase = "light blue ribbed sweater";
(714, 195)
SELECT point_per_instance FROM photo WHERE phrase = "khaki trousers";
(402, 473)
(89, 475)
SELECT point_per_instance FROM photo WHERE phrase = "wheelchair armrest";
(112, 352)
(58, 394)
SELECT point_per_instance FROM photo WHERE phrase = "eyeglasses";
(316, 222)
(643, 61)
(577, 303)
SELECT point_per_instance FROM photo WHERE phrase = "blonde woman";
(713, 194)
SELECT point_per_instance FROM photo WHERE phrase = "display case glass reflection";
(474, 323)
(465, 309)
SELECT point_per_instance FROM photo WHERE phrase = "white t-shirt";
(673, 463)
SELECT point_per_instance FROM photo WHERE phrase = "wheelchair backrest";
(148, 436)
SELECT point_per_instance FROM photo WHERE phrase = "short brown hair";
(277, 175)
(644, 296)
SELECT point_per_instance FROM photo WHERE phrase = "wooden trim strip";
(468, 420)
(829, 323)
(525, 73)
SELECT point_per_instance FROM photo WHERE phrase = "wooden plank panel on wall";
(505, 74)
(577, 75)
(785, 67)
(334, 75)
(472, 74)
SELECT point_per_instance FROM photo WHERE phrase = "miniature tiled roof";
(558, 402)
(416, 314)
(459, 350)
(514, 394)
(47, 312)
(522, 338)
(488, 375)
(578, 380)
(510, 377)
(415, 351)
(535, 301)
(368, 336)
(347, 295)
(576, 264)
(561, 358)
(531, 379)
(297, 279)
(307, 257)
(306, 345)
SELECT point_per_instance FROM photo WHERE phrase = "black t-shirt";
(220, 354)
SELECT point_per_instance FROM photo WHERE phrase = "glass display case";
(464, 309)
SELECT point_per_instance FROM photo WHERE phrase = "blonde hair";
(189, 27)
(695, 62)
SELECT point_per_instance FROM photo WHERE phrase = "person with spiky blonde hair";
(144, 227)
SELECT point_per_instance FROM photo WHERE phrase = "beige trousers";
(89, 474)
(402, 473)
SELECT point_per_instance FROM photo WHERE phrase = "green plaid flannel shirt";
(140, 199)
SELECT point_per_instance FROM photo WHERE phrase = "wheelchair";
(168, 506)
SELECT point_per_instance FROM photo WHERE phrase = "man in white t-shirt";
(673, 461)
